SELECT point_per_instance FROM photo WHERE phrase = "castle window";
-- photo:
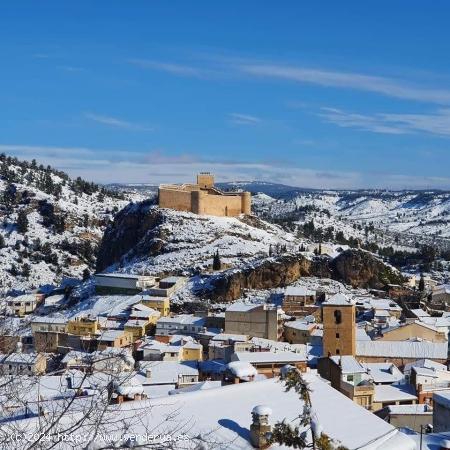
(337, 335)
(337, 351)
(337, 316)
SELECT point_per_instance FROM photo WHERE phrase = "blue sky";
(318, 94)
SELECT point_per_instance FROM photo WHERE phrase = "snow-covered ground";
(397, 217)
(190, 241)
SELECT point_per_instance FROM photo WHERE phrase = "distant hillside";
(407, 218)
(50, 224)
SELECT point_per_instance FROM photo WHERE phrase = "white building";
(182, 324)
(122, 282)
(48, 324)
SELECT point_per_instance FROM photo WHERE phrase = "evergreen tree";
(22, 222)
(26, 270)
(13, 270)
(421, 283)
(270, 250)
(217, 264)
(86, 274)
(2, 241)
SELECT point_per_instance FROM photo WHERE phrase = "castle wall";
(220, 205)
(175, 199)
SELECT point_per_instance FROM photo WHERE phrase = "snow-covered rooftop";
(391, 393)
(209, 413)
(268, 357)
(403, 349)
(299, 291)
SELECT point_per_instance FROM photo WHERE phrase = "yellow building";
(137, 328)
(160, 304)
(412, 331)
(204, 198)
(83, 326)
(115, 339)
(192, 351)
(339, 331)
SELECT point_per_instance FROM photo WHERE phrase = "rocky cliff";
(362, 269)
(354, 267)
(135, 231)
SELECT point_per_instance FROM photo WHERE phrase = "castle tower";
(246, 203)
(260, 427)
(197, 199)
(205, 180)
(339, 330)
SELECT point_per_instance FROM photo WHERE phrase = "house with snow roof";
(269, 363)
(18, 363)
(413, 330)
(299, 301)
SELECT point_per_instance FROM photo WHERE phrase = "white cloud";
(156, 167)
(243, 119)
(437, 123)
(234, 67)
(173, 68)
(117, 123)
(381, 85)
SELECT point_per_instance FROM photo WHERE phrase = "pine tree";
(217, 264)
(421, 283)
(270, 250)
(13, 270)
(86, 274)
(26, 270)
(2, 241)
(22, 222)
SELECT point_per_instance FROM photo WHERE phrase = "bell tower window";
(337, 316)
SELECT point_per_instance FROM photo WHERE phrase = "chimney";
(148, 373)
(260, 429)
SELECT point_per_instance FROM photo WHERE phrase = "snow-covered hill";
(179, 242)
(407, 218)
(50, 224)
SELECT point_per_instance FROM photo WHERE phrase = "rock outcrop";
(354, 267)
(362, 269)
(268, 274)
(134, 232)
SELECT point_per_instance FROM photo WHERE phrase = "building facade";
(264, 321)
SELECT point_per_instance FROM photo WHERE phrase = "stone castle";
(204, 198)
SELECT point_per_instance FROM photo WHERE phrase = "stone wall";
(175, 199)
